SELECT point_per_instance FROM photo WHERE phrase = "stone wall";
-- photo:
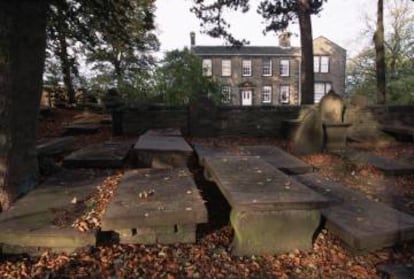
(139, 119)
(207, 120)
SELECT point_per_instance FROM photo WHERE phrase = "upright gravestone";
(114, 104)
(322, 127)
(332, 109)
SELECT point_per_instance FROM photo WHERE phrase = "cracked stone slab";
(156, 206)
(30, 224)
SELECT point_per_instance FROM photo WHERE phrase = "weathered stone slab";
(335, 135)
(402, 132)
(387, 166)
(169, 132)
(31, 223)
(396, 271)
(271, 212)
(280, 159)
(54, 146)
(203, 151)
(156, 206)
(159, 234)
(110, 154)
(75, 129)
(250, 182)
(162, 151)
(363, 225)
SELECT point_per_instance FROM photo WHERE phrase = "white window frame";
(284, 89)
(316, 64)
(226, 67)
(267, 94)
(284, 68)
(247, 68)
(207, 67)
(324, 89)
(321, 64)
(267, 67)
(324, 64)
(226, 94)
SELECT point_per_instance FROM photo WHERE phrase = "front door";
(246, 95)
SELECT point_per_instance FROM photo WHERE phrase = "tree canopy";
(399, 58)
(111, 33)
(180, 78)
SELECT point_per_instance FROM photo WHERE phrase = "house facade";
(256, 75)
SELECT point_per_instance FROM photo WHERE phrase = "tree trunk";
(22, 54)
(64, 60)
(380, 54)
(306, 40)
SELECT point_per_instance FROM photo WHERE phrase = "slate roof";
(246, 50)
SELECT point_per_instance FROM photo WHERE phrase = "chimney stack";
(284, 39)
(192, 39)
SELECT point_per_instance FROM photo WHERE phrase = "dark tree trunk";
(380, 54)
(64, 60)
(306, 40)
(22, 54)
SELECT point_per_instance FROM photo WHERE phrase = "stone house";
(267, 75)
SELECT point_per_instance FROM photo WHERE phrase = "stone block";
(162, 151)
(272, 232)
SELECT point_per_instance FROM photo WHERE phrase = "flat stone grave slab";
(54, 146)
(111, 154)
(168, 132)
(364, 225)
(33, 223)
(271, 212)
(385, 165)
(162, 151)
(279, 158)
(76, 129)
(396, 271)
(203, 151)
(402, 132)
(156, 206)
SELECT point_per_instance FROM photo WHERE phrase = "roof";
(331, 42)
(246, 50)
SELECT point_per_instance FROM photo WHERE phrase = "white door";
(247, 99)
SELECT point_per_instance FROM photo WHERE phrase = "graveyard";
(161, 203)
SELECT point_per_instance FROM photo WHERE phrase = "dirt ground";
(210, 257)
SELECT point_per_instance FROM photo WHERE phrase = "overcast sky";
(340, 21)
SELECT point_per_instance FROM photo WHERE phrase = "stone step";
(162, 151)
(279, 158)
(156, 206)
(364, 225)
(30, 225)
(385, 165)
(110, 154)
(54, 146)
(271, 212)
